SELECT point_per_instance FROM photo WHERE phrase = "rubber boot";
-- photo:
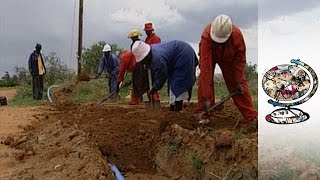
(178, 106)
(171, 107)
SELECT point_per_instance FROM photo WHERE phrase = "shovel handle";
(150, 85)
(103, 100)
(221, 102)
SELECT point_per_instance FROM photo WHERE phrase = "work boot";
(171, 107)
(178, 106)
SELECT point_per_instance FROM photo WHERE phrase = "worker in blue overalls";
(109, 61)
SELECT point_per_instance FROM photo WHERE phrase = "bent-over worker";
(222, 43)
(173, 60)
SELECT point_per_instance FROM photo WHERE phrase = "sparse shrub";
(213, 132)
(196, 163)
(250, 72)
(23, 97)
(173, 146)
(57, 72)
(239, 135)
(24, 91)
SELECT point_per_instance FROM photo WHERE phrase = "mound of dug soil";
(194, 155)
(138, 142)
(62, 94)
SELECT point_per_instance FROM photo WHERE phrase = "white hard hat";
(106, 48)
(140, 50)
(221, 28)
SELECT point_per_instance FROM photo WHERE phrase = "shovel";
(149, 102)
(220, 103)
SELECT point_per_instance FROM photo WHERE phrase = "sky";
(54, 25)
(283, 37)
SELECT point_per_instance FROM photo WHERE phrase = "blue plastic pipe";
(116, 172)
(48, 92)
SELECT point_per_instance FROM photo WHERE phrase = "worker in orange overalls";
(151, 38)
(127, 63)
(222, 43)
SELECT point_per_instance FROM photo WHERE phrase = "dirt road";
(10, 121)
(8, 92)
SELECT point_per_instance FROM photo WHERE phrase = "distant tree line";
(9, 81)
(58, 72)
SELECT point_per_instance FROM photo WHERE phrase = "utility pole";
(80, 36)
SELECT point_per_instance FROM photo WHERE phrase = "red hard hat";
(148, 27)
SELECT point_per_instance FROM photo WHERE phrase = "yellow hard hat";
(133, 33)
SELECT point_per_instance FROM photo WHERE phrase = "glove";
(239, 88)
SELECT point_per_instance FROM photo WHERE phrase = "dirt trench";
(69, 140)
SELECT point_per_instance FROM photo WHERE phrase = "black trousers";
(37, 87)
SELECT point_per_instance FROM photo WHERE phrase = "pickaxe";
(208, 110)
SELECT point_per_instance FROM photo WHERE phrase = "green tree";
(56, 71)
(23, 75)
(92, 55)
(6, 76)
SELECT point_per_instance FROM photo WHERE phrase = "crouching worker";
(173, 60)
(128, 64)
(109, 62)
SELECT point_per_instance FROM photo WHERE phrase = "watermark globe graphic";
(289, 85)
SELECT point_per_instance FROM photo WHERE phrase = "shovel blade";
(148, 105)
(152, 107)
(156, 105)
